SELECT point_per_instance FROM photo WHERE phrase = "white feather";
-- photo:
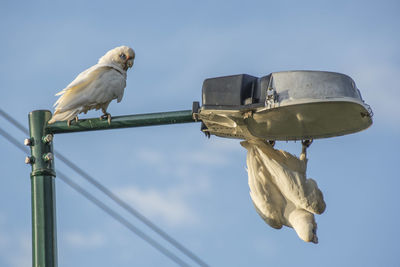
(95, 87)
(281, 193)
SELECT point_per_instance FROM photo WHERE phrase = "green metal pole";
(128, 121)
(44, 241)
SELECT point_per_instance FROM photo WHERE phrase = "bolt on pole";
(44, 234)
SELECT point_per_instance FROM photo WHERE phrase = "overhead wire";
(111, 195)
(103, 206)
(14, 122)
(131, 210)
(121, 219)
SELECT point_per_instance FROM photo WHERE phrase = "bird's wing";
(267, 200)
(81, 78)
(288, 174)
(80, 91)
(109, 85)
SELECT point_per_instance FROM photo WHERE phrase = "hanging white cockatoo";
(281, 193)
(95, 87)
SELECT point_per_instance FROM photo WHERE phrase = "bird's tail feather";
(62, 116)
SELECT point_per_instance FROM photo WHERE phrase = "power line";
(13, 141)
(131, 210)
(14, 122)
(121, 219)
(103, 206)
(115, 198)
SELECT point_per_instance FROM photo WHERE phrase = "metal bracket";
(271, 97)
(195, 110)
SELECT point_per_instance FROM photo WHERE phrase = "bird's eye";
(122, 56)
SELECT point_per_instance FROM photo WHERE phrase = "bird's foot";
(106, 116)
(69, 121)
(271, 142)
(306, 143)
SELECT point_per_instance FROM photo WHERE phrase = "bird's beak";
(129, 62)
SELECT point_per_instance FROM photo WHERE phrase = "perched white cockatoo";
(281, 193)
(95, 87)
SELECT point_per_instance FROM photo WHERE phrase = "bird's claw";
(106, 116)
(271, 142)
(69, 121)
(307, 143)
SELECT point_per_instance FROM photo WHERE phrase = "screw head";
(28, 142)
(29, 160)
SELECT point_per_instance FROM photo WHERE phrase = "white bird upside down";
(281, 193)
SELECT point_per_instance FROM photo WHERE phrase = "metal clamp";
(195, 110)
(271, 98)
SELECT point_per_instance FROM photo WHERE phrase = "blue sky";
(193, 187)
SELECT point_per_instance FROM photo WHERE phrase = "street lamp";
(290, 105)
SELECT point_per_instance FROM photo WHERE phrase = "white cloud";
(15, 245)
(81, 240)
(170, 205)
(173, 204)
(16, 248)
(22, 256)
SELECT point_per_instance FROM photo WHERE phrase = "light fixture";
(289, 105)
